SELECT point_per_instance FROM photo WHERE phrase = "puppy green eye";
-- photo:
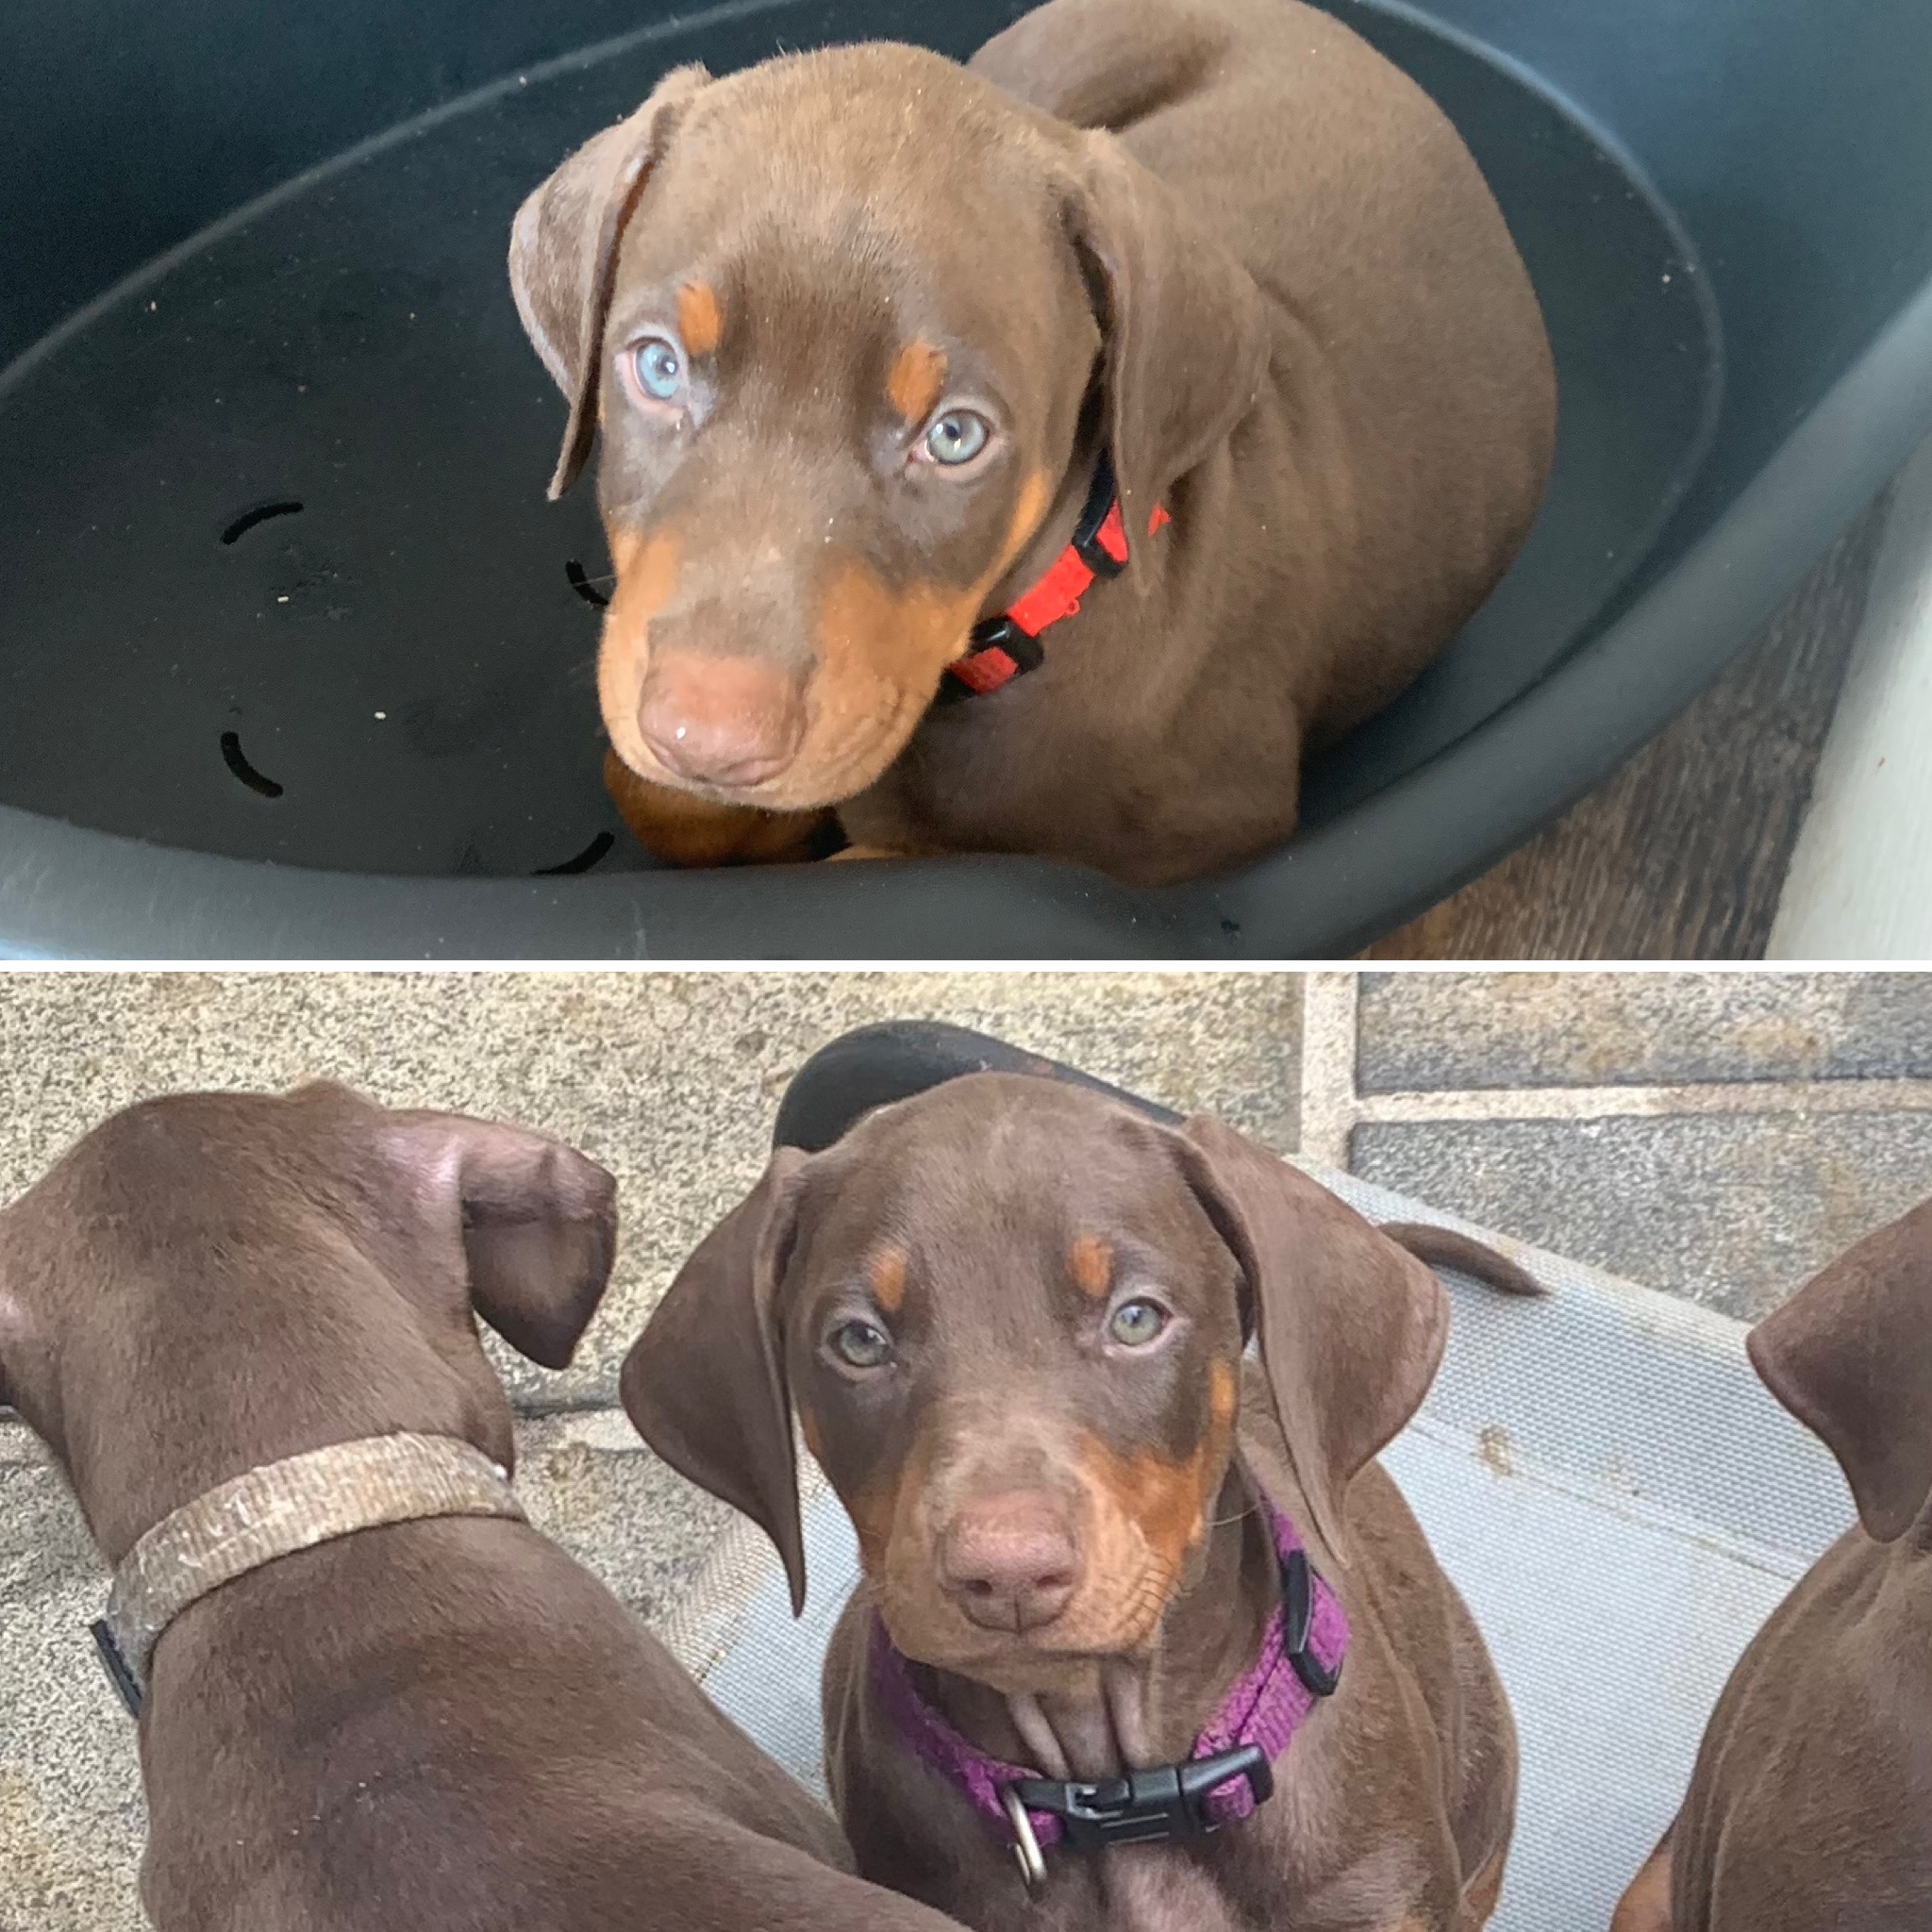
(659, 368)
(1137, 1323)
(861, 1346)
(956, 437)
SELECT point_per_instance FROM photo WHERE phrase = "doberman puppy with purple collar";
(896, 361)
(1118, 1581)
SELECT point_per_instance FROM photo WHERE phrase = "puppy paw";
(867, 851)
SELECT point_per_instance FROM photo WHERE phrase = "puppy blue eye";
(659, 368)
(861, 1346)
(956, 437)
(1135, 1324)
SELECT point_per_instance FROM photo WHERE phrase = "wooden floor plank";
(1683, 853)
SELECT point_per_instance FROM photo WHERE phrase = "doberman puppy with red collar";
(370, 1695)
(896, 361)
(1120, 1583)
(1810, 1806)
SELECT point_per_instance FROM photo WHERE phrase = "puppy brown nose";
(721, 720)
(1010, 1561)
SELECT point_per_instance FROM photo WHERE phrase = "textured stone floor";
(1719, 1135)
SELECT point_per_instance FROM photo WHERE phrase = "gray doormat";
(1603, 1477)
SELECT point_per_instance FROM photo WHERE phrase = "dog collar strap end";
(1002, 647)
(273, 1512)
(1228, 1773)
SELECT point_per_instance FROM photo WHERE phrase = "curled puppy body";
(1011, 1316)
(1810, 1806)
(445, 1723)
(860, 328)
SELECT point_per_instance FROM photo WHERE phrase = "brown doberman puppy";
(243, 1324)
(894, 358)
(1811, 1807)
(1011, 1315)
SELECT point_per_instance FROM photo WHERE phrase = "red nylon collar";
(1005, 646)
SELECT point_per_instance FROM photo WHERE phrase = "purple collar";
(1299, 1663)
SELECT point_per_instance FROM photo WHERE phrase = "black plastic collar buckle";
(1100, 500)
(1002, 634)
(993, 633)
(1146, 1808)
(119, 1673)
(1297, 1624)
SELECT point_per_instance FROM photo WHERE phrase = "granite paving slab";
(1431, 1031)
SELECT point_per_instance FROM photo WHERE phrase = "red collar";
(1002, 647)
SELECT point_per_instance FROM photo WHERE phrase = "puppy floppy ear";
(1850, 1354)
(1185, 344)
(1351, 1327)
(563, 253)
(539, 1224)
(705, 1383)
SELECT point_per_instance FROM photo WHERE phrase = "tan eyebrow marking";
(699, 321)
(918, 377)
(888, 1276)
(1091, 1258)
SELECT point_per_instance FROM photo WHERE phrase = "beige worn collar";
(275, 1510)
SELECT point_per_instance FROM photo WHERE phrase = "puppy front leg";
(1646, 1907)
(1480, 1894)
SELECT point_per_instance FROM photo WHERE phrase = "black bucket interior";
(279, 581)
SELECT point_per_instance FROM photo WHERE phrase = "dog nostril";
(704, 758)
(1009, 1563)
(724, 724)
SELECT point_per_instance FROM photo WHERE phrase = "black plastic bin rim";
(67, 892)
(895, 1059)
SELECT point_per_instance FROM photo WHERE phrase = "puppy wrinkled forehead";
(990, 1156)
(902, 122)
(871, 163)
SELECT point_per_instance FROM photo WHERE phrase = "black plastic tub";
(295, 660)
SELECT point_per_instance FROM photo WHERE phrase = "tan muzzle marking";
(281, 1508)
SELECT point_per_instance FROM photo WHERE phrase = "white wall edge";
(1860, 880)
